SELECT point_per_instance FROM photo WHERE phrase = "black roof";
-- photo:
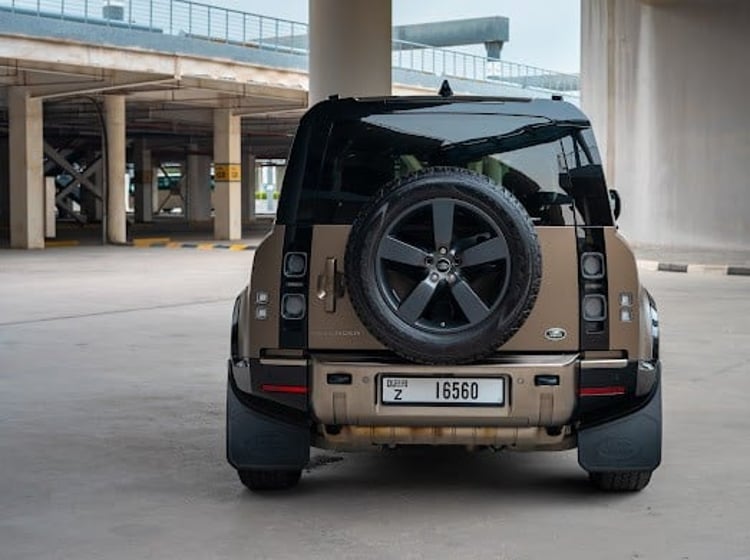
(554, 110)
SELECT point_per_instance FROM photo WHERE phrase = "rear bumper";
(549, 400)
(540, 392)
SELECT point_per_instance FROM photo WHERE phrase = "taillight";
(593, 291)
(295, 265)
(293, 306)
(295, 283)
(592, 266)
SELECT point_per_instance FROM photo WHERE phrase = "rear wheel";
(269, 479)
(620, 481)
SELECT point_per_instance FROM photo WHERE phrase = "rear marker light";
(626, 307)
(293, 306)
(289, 389)
(612, 391)
(295, 265)
(261, 298)
(261, 313)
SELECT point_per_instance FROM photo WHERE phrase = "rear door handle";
(330, 285)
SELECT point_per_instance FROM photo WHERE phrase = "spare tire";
(443, 266)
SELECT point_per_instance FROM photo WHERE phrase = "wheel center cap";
(443, 265)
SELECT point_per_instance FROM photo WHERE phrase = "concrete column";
(26, 170)
(280, 172)
(155, 182)
(50, 217)
(665, 85)
(227, 175)
(114, 114)
(144, 182)
(198, 169)
(350, 48)
(249, 187)
(4, 188)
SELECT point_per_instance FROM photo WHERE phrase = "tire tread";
(621, 481)
(259, 480)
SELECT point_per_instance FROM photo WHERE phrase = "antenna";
(445, 89)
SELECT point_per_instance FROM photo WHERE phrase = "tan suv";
(445, 271)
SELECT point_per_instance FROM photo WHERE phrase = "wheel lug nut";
(434, 277)
(443, 250)
(451, 278)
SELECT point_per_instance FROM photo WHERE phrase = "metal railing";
(223, 25)
(453, 63)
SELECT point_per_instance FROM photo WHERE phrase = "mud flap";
(258, 441)
(630, 443)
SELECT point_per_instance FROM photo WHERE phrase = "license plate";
(463, 391)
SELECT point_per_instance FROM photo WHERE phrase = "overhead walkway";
(89, 92)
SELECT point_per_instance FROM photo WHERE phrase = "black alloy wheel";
(443, 266)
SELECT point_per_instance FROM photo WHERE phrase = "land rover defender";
(444, 271)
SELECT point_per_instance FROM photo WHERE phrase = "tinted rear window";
(547, 165)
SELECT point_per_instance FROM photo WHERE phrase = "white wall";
(667, 86)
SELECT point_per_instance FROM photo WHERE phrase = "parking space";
(112, 382)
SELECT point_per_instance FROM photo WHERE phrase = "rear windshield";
(552, 167)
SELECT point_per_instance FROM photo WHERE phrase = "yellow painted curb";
(62, 243)
(149, 241)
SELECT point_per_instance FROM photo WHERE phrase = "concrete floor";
(111, 436)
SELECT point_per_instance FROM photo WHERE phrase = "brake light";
(612, 391)
(288, 389)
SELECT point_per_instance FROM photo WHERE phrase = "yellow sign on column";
(227, 172)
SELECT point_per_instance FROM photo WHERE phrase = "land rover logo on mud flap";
(617, 448)
(555, 333)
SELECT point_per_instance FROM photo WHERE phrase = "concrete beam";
(26, 176)
(492, 31)
(81, 58)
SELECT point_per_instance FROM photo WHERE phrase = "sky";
(543, 33)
